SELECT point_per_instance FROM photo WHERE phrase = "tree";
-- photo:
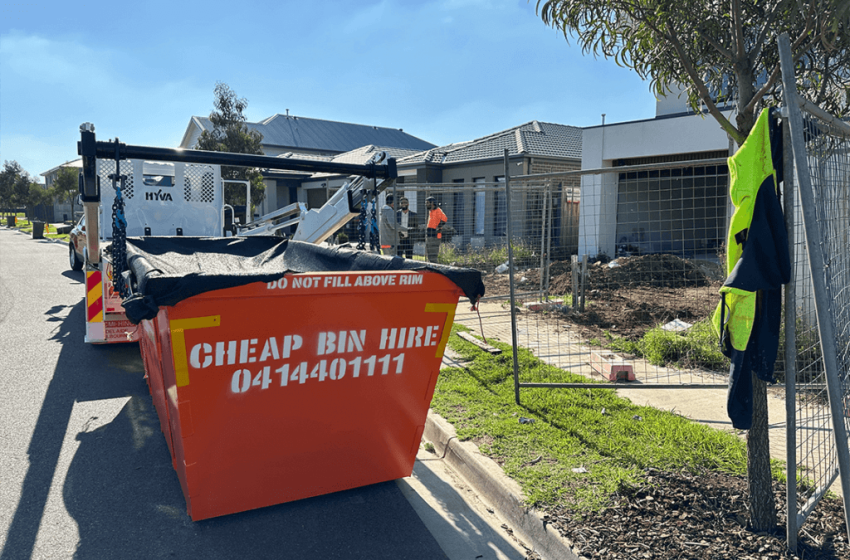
(8, 176)
(231, 134)
(14, 185)
(66, 185)
(37, 194)
(720, 52)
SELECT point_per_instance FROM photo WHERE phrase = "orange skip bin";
(314, 383)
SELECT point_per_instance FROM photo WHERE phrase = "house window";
(500, 218)
(479, 205)
(458, 217)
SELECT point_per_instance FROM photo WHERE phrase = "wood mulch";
(699, 516)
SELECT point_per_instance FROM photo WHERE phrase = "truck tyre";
(76, 263)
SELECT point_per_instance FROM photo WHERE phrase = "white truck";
(175, 192)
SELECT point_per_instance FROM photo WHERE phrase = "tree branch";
(704, 94)
(759, 95)
(716, 44)
(738, 30)
(765, 29)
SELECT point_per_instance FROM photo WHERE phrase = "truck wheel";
(76, 263)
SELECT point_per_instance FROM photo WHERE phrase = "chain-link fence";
(634, 306)
(818, 309)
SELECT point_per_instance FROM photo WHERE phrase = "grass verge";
(572, 447)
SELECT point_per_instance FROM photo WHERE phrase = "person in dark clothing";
(408, 219)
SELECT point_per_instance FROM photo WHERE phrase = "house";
(286, 135)
(476, 206)
(680, 211)
(63, 211)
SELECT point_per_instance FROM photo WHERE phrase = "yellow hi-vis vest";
(748, 170)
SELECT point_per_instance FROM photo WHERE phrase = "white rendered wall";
(603, 145)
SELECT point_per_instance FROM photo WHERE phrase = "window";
(500, 219)
(458, 200)
(479, 205)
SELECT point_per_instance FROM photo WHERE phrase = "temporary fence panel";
(631, 252)
(817, 432)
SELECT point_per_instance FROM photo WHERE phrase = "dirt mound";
(651, 271)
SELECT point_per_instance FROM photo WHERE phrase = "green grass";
(591, 430)
(695, 348)
(25, 226)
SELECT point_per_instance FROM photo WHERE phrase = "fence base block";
(612, 367)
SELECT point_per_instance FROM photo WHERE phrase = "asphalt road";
(84, 468)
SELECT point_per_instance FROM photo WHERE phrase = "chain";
(119, 236)
(361, 226)
(374, 243)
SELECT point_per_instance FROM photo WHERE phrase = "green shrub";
(696, 347)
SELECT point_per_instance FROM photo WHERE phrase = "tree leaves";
(719, 51)
(231, 134)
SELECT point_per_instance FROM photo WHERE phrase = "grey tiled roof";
(316, 134)
(533, 138)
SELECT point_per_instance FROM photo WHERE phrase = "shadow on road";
(122, 492)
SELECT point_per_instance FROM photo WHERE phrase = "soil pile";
(650, 271)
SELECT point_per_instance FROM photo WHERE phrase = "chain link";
(374, 243)
(119, 236)
(361, 226)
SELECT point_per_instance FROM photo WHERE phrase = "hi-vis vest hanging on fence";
(757, 264)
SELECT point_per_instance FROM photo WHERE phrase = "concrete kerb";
(494, 486)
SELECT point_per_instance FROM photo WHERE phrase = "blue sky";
(442, 70)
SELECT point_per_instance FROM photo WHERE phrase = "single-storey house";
(286, 135)
(478, 213)
(677, 210)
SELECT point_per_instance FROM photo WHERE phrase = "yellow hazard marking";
(94, 297)
(94, 293)
(178, 343)
(449, 310)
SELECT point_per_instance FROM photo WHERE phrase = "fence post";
(583, 281)
(509, 217)
(823, 299)
(550, 220)
(543, 246)
(574, 279)
(790, 357)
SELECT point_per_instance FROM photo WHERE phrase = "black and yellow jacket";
(757, 264)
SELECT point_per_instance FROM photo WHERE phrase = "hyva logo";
(158, 195)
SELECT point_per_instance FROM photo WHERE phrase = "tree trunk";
(762, 505)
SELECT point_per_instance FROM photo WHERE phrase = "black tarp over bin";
(166, 270)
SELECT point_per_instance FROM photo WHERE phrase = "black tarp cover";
(166, 270)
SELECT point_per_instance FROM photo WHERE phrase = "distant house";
(478, 214)
(62, 211)
(675, 210)
(288, 135)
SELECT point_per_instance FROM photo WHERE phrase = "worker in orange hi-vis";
(434, 230)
